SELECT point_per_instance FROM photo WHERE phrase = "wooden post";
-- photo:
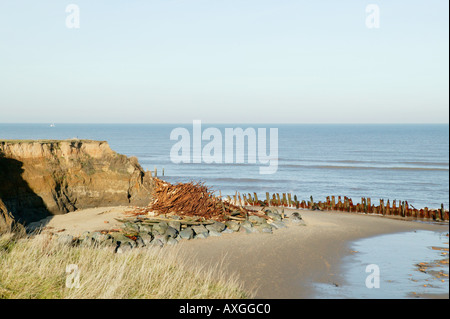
(289, 199)
(284, 201)
(268, 198)
(297, 204)
(346, 204)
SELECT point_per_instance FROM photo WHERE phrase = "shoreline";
(278, 264)
(282, 265)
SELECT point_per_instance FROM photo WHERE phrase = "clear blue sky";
(232, 61)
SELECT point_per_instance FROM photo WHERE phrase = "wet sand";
(285, 264)
(282, 265)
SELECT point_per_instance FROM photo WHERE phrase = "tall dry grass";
(36, 268)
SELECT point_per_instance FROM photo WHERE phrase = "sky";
(224, 61)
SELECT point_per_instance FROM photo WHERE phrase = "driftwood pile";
(192, 199)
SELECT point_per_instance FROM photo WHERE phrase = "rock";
(175, 225)
(247, 226)
(264, 228)
(65, 239)
(274, 216)
(85, 234)
(199, 229)
(216, 226)
(97, 236)
(202, 235)
(228, 231)
(256, 219)
(146, 238)
(145, 228)
(130, 227)
(278, 224)
(140, 242)
(231, 224)
(124, 248)
(160, 240)
(171, 232)
(85, 239)
(214, 233)
(160, 228)
(297, 219)
(121, 239)
(187, 233)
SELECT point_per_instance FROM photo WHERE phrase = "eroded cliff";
(45, 177)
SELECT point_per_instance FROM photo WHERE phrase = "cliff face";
(40, 178)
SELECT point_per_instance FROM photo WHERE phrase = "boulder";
(171, 232)
(216, 226)
(160, 228)
(231, 224)
(256, 219)
(199, 229)
(65, 239)
(176, 225)
(214, 233)
(146, 238)
(187, 233)
(278, 224)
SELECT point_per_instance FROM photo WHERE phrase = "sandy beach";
(279, 265)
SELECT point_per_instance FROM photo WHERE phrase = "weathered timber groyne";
(344, 204)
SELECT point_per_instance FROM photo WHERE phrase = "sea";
(381, 161)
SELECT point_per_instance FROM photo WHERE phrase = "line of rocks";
(138, 233)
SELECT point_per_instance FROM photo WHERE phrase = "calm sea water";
(403, 162)
(396, 256)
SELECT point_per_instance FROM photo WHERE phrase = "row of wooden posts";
(398, 208)
(155, 172)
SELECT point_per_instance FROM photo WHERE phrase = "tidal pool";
(395, 266)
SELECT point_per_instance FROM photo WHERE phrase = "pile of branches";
(192, 199)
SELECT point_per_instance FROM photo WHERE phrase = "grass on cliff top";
(36, 268)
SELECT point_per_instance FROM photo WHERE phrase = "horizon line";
(222, 123)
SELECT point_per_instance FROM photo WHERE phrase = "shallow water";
(396, 256)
